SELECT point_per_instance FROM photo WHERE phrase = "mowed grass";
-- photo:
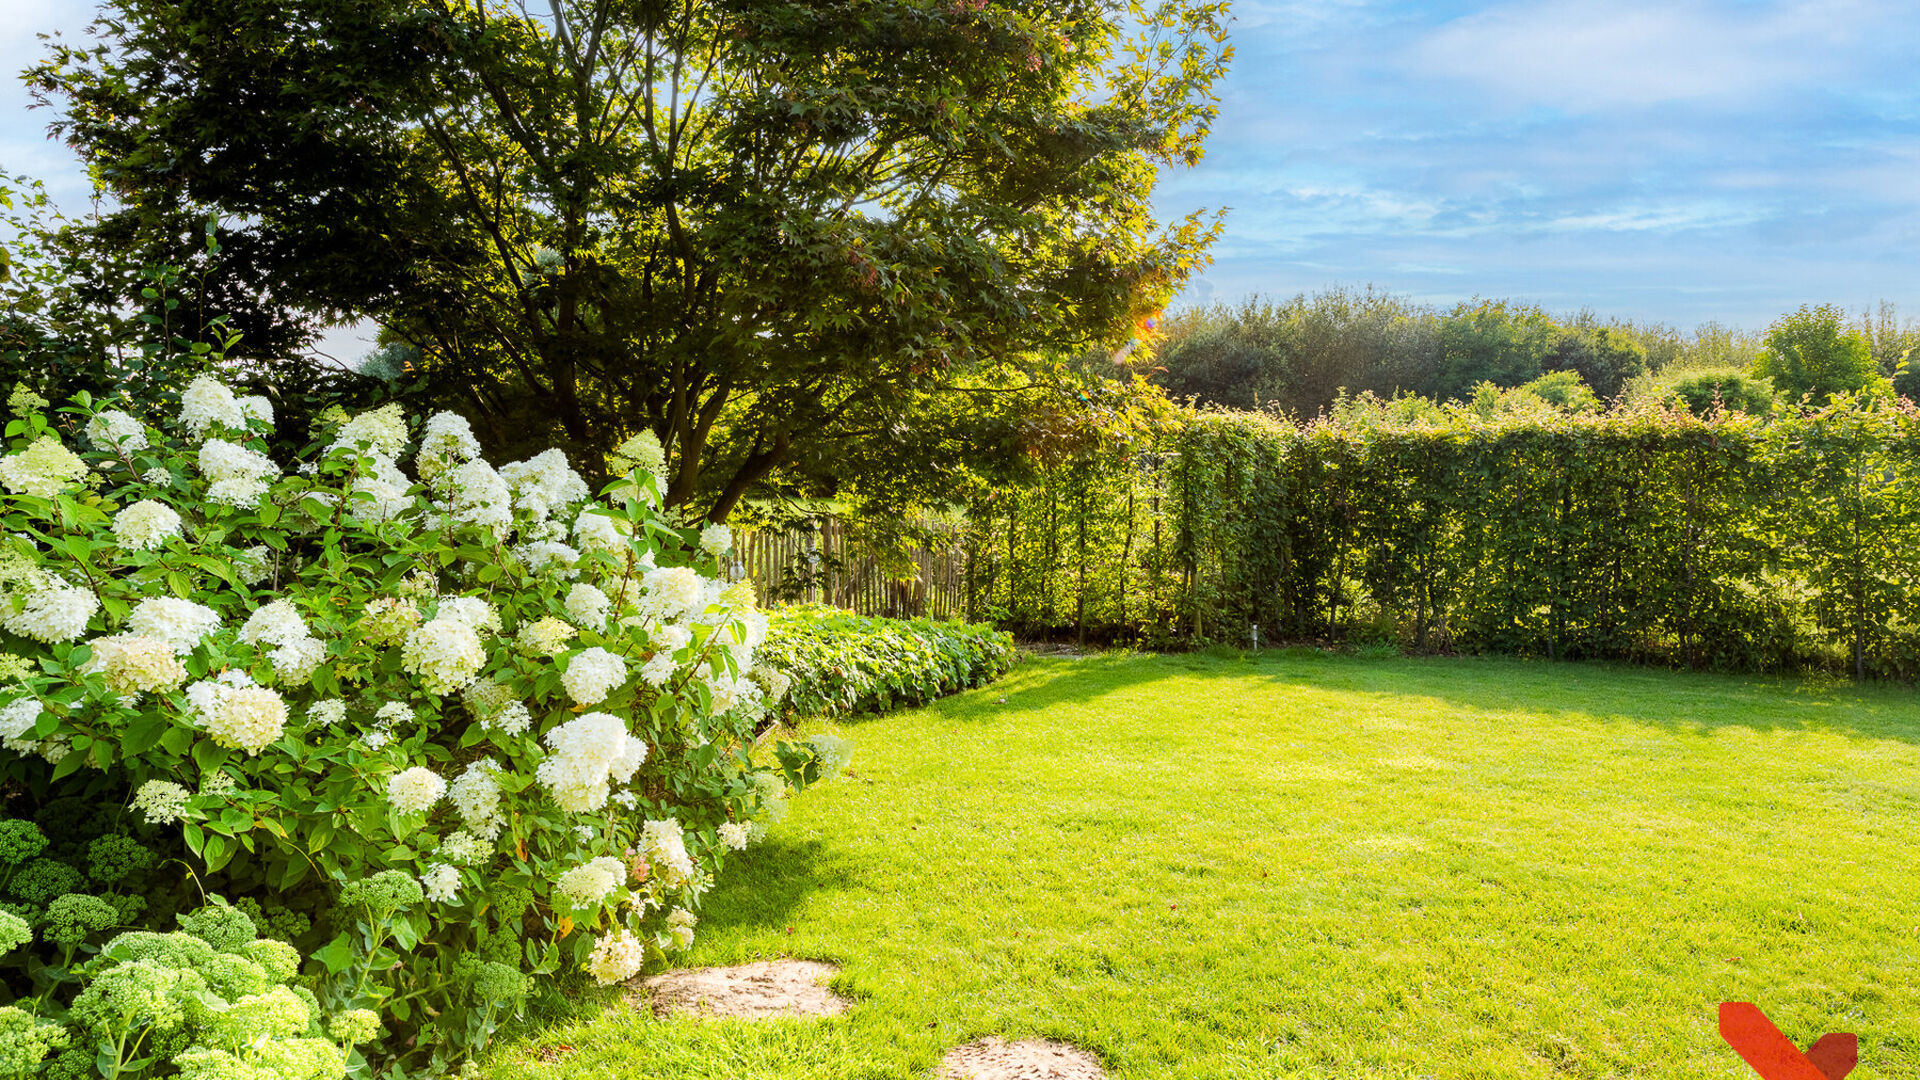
(1307, 866)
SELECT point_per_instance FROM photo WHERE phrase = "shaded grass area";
(1307, 866)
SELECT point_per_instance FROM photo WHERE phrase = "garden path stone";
(751, 991)
(1029, 1059)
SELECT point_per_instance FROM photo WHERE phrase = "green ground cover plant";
(1304, 865)
(839, 663)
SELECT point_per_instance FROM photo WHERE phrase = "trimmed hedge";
(1650, 534)
(843, 663)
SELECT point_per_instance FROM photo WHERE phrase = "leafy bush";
(837, 662)
(455, 731)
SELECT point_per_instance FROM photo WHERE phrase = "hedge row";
(1646, 535)
(842, 663)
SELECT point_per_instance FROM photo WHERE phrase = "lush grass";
(1322, 867)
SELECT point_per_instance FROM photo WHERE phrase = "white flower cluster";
(447, 442)
(590, 752)
(115, 432)
(733, 834)
(445, 652)
(180, 623)
(207, 403)
(590, 884)
(616, 957)
(17, 719)
(381, 432)
(415, 790)
(237, 713)
(680, 928)
(544, 483)
(664, 845)
(327, 712)
(593, 674)
(53, 612)
(133, 664)
(673, 594)
(237, 476)
(145, 526)
(544, 636)
(475, 795)
(588, 607)
(440, 883)
(463, 848)
(162, 802)
(45, 469)
(294, 651)
(716, 540)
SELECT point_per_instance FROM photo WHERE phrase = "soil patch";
(766, 988)
(1028, 1059)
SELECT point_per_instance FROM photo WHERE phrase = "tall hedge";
(1649, 534)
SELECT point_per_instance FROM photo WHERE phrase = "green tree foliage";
(764, 230)
(1494, 341)
(1604, 358)
(1812, 354)
(1702, 392)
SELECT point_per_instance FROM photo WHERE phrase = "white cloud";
(1594, 55)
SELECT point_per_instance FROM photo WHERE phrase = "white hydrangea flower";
(381, 492)
(734, 835)
(18, 717)
(541, 556)
(716, 540)
(481, 497)
(625, 798)
(376, 738)
(616, 957)
(592, 675)
(544, 636)
(297, 660)
(445, 653)
(593, 529)
(664, 845)
(253, 565)
(773, 682)
(206, 403)
(680, 925)
(275, 623)
(239, 476)
(394, 712)
(237, 713)
(590, 884)
(586, 750)
(472, 610)
(641, 452)
(133, 664)
(45, 468)
(415, 790)
(658, 669)
(54, 612)
(673, 594)
(448, 440)
(382, 431)
(114, 431)
(514, 718)
(329, 712)
(463, 848)
(588, 606)
(158, 477)
(145, 526)
(475, 795)
(255, 407)
(179, 623)
(440, 883)
(161, 802)
(544, 483)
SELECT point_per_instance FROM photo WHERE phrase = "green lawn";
(1329, 867)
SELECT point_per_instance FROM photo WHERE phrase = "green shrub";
(836, 662)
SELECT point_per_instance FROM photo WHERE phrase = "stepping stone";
(1029, 1059)
(753, 991)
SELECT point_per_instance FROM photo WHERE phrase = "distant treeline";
(1297, 356)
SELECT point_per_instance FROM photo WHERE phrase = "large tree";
(765, 230)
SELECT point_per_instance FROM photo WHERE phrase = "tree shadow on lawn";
(1685, 702)
(764, 891)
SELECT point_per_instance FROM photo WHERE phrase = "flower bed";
(438, 732)
(837, 662)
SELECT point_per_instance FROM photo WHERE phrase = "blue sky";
(1674, 161)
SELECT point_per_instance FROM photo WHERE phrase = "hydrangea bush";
(498, 726)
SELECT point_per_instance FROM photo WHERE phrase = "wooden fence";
(822, 565)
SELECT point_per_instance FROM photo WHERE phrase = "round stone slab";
(750, 991)
(1029, 1059)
